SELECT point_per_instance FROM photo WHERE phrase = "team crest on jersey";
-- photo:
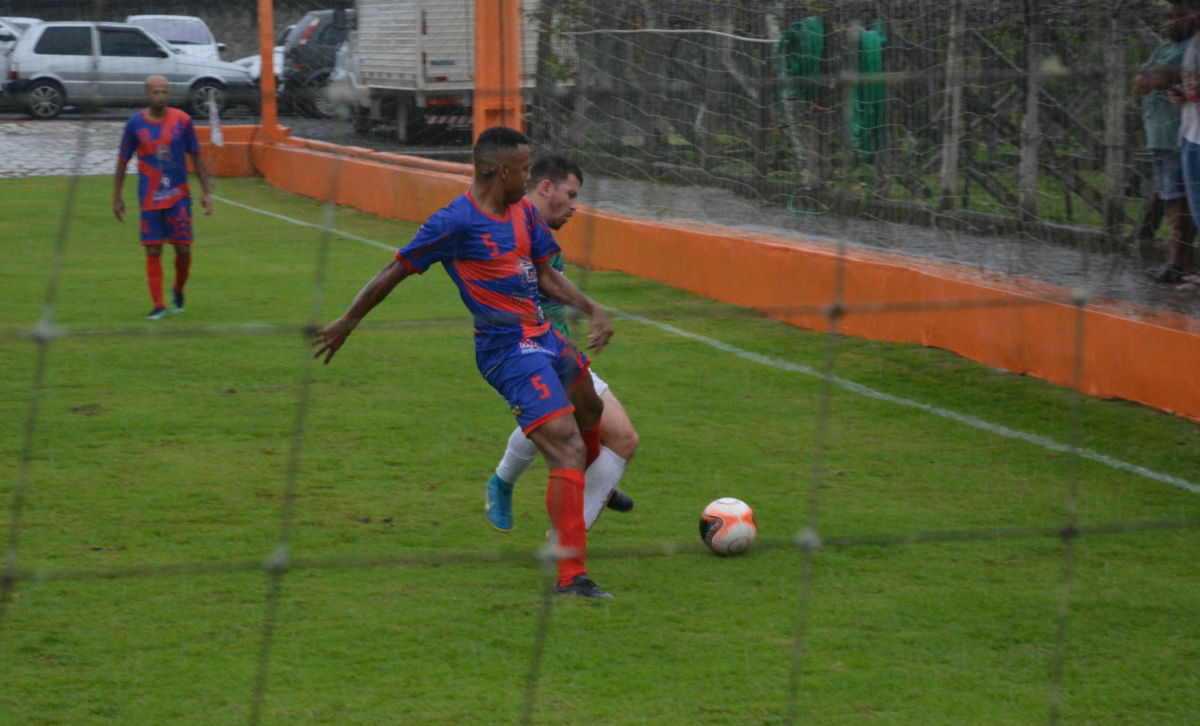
(528, 271)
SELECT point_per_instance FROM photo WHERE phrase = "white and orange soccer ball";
(727, 526)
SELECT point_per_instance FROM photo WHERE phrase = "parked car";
(21, 24)
(8, 38)
(308, 57)
(186, 32)
(253, 63)
(53, 65)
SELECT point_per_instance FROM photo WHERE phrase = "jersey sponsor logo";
(530, 347)
(166, 192)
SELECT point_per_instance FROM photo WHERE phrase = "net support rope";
(278, 563)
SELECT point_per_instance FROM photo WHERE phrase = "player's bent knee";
(625, 444)
(560, 444)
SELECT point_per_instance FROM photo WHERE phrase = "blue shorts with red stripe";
(533, 375)
(172, 225)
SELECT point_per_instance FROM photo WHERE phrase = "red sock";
(154, 279)
(564, 503)
(591, 440)
(182, 265)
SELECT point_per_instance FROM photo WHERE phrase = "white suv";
(8, 38)
(54, 65)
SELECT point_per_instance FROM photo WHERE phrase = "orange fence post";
(498, 100)
(266, 51)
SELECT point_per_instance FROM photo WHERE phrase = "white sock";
(517, 457)
(602, 477)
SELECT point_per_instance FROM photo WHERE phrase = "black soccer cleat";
(582, 586)
(619, 501)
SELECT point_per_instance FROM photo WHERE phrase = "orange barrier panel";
(1018, 325)
(235, 157)
(373, 186)
(1007, 325)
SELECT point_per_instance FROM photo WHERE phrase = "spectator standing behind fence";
(1187, 95)
(1161, 120)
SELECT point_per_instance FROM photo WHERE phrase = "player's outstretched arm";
(330, 338)
(556, 286)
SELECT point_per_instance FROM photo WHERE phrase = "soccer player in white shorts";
(554, 188)
(602, 476)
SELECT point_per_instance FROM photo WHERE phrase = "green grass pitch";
(160, 458)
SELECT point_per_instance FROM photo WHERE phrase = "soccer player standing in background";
(496, 248)
(163, 138)
(554, 190)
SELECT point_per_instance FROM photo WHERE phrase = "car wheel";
(45, 100)
(202, 95)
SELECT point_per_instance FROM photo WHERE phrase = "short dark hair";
(497, 140)
(555, 168)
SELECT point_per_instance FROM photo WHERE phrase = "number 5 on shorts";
(537, 383)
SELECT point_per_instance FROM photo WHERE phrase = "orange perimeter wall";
(1128, 353)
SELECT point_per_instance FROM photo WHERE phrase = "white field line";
(852, 387)
(302, 223)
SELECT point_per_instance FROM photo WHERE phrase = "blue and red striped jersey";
(491, 260)
(162, 148)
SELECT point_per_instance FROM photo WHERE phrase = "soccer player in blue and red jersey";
(554, 191)
(497, 249)
(162, 138)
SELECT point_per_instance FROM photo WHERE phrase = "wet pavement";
(58, 148)
(74, 146)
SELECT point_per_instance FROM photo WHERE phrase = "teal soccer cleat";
(499, 504)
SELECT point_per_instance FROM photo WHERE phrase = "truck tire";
(317, 103)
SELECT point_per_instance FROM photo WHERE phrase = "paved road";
(58, 148)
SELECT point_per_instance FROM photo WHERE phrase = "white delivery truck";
(416, 60)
